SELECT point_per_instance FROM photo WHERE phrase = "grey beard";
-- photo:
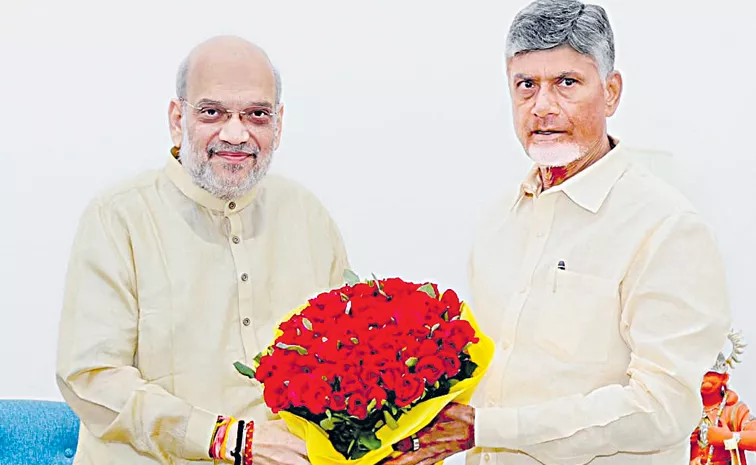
(203, 176)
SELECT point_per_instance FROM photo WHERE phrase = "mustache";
(252, 150)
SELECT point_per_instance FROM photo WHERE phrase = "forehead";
(550, 63)
(234, 79)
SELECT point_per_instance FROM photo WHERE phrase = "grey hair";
(182, 77)
(546, 24)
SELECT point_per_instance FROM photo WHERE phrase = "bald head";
(226, 58)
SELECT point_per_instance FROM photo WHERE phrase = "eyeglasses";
(213, 113)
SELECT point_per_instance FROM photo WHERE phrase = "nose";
(234, 131)
(545, 103)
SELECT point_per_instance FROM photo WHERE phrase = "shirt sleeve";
(675, 320)
(95, 369)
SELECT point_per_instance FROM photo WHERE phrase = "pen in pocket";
(560, 266)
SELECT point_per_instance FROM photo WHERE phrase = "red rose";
(457, 334)
(451, 302)
(327, 350)
(269, 366)
(396, 287)
(315, 398)
(357, 406)
(409, 389)
(337, 402)
(351, 384)
(276, 395)
(427, 347)
(391, 376)
(376, 393)
(431, 368)
(451, 363)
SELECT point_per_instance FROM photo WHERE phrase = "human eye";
(211, 113)
(258, 115)
(568, 82)
(525, 84)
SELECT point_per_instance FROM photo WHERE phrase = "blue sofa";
(37, 432)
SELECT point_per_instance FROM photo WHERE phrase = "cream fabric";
(605, 357)
(167, 288)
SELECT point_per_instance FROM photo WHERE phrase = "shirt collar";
(588, 188)
(183, 180)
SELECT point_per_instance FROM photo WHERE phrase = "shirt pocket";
(155, 344)
(578, 317)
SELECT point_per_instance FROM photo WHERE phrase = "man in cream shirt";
(602, 287)
(177, 274)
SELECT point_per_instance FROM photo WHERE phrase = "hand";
(450, 433)
(718, 435)
(274, 444)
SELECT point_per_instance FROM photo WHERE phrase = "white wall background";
(397, 117)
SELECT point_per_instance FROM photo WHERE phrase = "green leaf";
(351, 277)
(469, 368)
(344, 297)
(390, 419)
(412, 361)
(257, 358)
(351, 445)
(244, 370)
(327, 424)
(453, 382)
(428, 289)
(300, 350)
(307, 324)
(369, 440)
(355, 340)
(372, 405)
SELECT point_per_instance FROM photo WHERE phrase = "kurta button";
(235, 239)
(231, 205)
(244, 277)
(68, 453)
(246, 321)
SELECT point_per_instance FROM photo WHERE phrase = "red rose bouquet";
(361, 367)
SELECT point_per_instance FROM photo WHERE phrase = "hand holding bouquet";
(359, 368)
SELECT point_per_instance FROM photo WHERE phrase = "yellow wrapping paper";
(319, 447)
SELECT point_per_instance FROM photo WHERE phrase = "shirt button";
(244, 277)
(235, 239)
(231, 205)
(487, 457)
(68, 453)
(246, 321)
(539, 234)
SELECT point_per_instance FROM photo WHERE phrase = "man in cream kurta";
(601, 286)
(171, 283)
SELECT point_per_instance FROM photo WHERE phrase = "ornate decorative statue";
(727, 428)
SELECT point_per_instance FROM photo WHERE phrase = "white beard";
(198, 167)
(554, 155)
